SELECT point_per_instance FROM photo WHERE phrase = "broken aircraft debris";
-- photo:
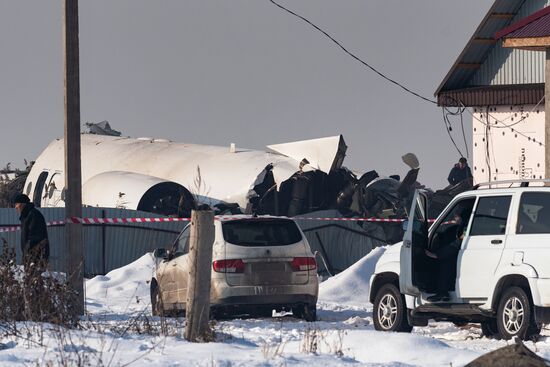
(164, 177)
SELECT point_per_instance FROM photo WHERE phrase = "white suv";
(259, 264)
(499, 274)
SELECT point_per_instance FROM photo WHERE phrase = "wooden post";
(200, 274)
(547, 116)
(73, 180)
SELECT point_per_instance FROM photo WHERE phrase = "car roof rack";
(521, 182)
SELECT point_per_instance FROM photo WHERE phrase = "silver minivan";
(259, 264)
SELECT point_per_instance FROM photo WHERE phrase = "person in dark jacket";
(446, 259)
(34, 234)
(460, 172)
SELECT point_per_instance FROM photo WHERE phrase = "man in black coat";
(34, 234)
(460, 172)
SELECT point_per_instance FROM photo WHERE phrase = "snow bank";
(122, 289)
(352, 285)
(397, 349)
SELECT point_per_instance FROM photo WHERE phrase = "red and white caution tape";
(382, 220)
(124, 220)
(9, 229)
(17, 228)
(170, 219)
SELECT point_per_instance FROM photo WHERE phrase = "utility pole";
(197, 310)
(73, 179)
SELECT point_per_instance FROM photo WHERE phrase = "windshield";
(261, 232)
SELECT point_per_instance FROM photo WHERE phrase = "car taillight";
(303, 263)
(228, 266)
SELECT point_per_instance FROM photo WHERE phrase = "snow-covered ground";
(120, 331)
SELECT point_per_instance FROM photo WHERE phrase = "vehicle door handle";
(496, 242)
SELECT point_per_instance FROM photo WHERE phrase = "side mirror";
(160, 253)
(405, 224)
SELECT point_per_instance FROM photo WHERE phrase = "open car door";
(415, 242)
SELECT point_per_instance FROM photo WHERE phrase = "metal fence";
(106, 246)
(340, 243)
(110, 246)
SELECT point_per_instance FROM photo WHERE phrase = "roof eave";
(472, 38)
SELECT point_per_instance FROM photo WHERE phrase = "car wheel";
(489, 328)
(390, 312)
(156, 301)
(306, 312)
(515, 316)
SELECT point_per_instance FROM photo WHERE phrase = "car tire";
(305, 312)
(156, 301)
(390, 311)
(515, 316)
(489, 328)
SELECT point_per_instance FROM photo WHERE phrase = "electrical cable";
(353, 55)
(523, 118)
(448, 129)
(512, 129)
(505, 126)
(460, 106)
(464, 135)
(459, 112)
(487, 154)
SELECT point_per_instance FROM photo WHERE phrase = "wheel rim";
(387, 311)
(512, 315)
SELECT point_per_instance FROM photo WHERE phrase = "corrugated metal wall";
(510, 66)
(106, 247)
(341, 243)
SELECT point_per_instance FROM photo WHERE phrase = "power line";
(447, 122)
(459, 112)
(448, 129)
(446, 112)
(353, 55)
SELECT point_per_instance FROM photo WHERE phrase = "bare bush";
(272, 350)
(316, 341)
(311, 340)
(34, 293)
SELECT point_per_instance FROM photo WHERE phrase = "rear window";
(534, 213)
(262, 232)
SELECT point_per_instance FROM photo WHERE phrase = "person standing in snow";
(34, 234)
(460, 172)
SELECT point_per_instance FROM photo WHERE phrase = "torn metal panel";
(100, 128)
(285, 170)
(325, 154)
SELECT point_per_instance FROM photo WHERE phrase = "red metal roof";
(535, 25)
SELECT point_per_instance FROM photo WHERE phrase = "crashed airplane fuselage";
(165, 177)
